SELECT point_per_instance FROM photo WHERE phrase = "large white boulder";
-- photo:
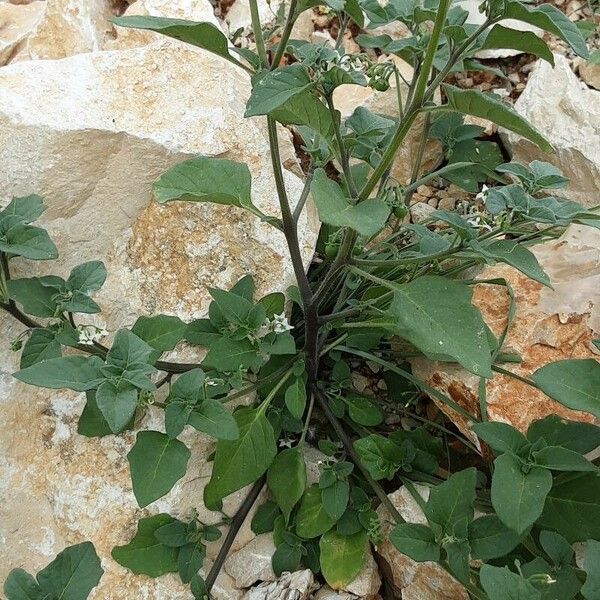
(567, 112)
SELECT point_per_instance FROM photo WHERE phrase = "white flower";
(89, 334)
(209, 381)
(280, 323)
(483, 193)
(286, 442)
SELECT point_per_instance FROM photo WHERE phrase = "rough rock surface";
(62, 28)
(549, 325)
(290, 586)
(413, 580)
(367, 583)
(91, 133)
(252, 563)
(590, 73)
(567, 112)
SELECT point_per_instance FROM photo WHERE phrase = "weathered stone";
(414, 580)
(326, 593)
(238, 16)
(290, 586)
(566, 112)
(367, 583)
(590, 73)
(16, 23)
(421, 211)
(91, 133)
(253, 562)
(348, 97)
(549, 325)
(63, 28)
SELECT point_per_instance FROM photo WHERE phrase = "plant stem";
(234, 527)
(285, 36)
(258, 35)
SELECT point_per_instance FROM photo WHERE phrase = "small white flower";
(209, 381)
(280, 323)
(89, 334)
(286, 442)
(482, 195)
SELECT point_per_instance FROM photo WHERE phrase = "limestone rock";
(290, 586)
(367, 583)
(421, 211)
(413, 580)
(253, 562)
(326, 593)
(567, 113)
(590, 73)
(549, 325)
(238, 16)
(91, 133)
(16, 23)
(191, 10)
(58, 28)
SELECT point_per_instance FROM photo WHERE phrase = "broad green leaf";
(205, 179)
(312, 519)
(366, 217)
(518, 494)
(478, 104)
(416, 541)
(29, 242)
(173, 534)
(35, 298)
(457, 555)
(157, 462)
(198, 588)
(87, 277)
(286, 558)
(295, 397)
(265, 517)
(212, 418)
(574, 383)
(502, 584)
(451, 502)
(117, 401)
(342, 557)
(381, 456)
(203, 35)
(227, 354)
(201, 332)
(591, 587)
(92, 422)
(286, 479)
(516, 255)
(572, 507)
(436, 315)
(526, 41)
(490, 538)
(580, 437)
(77, 373)
(128, 350)
(41, 345)
(234, 308)
(273, 88)
(556, 547)
(551, 19)
(274, 304)
(25, 209)
(20, 585)
(335, 498)
(144, 554)
(162, 332)
(240, 462)
(363, 411)
(561, 459)
(73, 574)
(189, 561)
(501, 437)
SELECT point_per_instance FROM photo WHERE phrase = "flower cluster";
(90, 334)
(278, 324)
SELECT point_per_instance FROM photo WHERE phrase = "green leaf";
(335, 498)
(561, 459)
(490, 538)
(144, 554)
(240, 462)
(366, 217)
(556, 547)
(227, 354)
(526, 41)
(573, 507)
(234, 308)
(286, 558)
(501, 437)
(128, 350)
(173, 534)
(502, 584)
(286, 479)
(295, 397)
(478, 104)
(416, 541)
(20, 585)
(41, 345)
(29, 242)
(204, 179)
(342, 557)
(591, 587)
(203, 35)
(436, 315)
(156, 463)
(363, 411)
(162, 332)
(555, 431)
(274, 88)
(551, 19)
(274, 304)
(312, 519)
(77, 373)
(213, 418)
(117, 401)
(518, 496)
(265, 517)
(189, 560)
(87, 277)
(92, 422)
(73, 574)
(35, 298)
(201, 332)
(25, 209)
(516, 255)
(574, 383)
(380, 456)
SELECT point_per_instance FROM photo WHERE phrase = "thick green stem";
(285, 36)
(258, 35)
